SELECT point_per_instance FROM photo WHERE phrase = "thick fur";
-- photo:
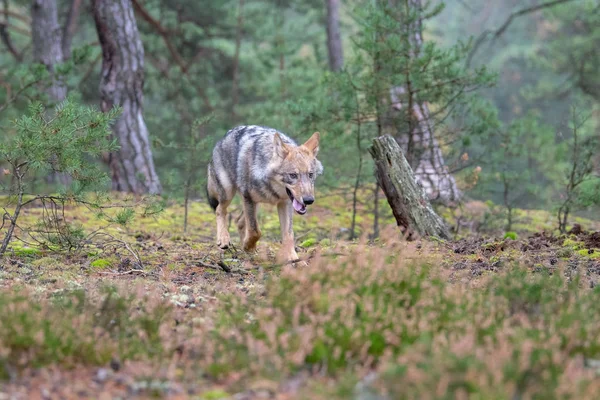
(264, 166)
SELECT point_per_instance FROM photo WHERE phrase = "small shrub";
(71, 328)
(515, 332)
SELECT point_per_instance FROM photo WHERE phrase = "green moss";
(101, 263)
(573, 244)
(510, 235)
(589, 253)
(308, 242)
(214, 395)
(25, 251)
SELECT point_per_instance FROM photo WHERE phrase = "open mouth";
(300, 208)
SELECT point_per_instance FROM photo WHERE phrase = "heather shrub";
(520, 334)
(75, 327)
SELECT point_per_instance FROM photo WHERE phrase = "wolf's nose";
(308, 200)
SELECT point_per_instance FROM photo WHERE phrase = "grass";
(508, 317)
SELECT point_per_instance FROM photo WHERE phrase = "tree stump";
(406, 197)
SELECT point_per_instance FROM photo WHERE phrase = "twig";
(497, 33)
(220, 266)
(15, 15)
(7, 40)
(164, 33)
(131, 271)
(126, 245)
(9, 101)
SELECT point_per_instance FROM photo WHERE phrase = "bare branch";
(7, 40)
(165, 33)
(16, 15)
(497, 33)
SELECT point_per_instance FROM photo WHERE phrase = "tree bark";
(416, 136)
(122, 81)
(334, 40)
(70, 27)
(235, 89)
(406, 197)
(47, 50)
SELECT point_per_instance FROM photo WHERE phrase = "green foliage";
(62, 142)
(579, 187)
(516, 155)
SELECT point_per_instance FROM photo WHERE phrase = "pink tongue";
(297, 206)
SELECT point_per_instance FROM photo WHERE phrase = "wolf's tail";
(213, 202)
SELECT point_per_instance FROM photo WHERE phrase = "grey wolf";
(264, 166)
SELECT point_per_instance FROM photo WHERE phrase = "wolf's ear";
(281, 149)
(312, 144)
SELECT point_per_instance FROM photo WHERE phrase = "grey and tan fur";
(264, 166)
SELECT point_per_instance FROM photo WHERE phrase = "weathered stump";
(406, 197)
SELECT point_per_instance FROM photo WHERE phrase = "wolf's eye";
(311, 175)
(293, 176)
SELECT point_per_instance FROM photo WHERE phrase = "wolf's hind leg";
(251, 233)
(220, 196)
(241, 225)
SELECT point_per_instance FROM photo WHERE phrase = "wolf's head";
(299, 168)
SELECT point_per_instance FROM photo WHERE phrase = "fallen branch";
(131, 271)
(220, 266)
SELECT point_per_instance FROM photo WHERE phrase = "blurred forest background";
(491, 100)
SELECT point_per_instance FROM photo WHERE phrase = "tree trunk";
(47, 50)
(416, 135)
(406, 197)
(70, 27)
(235, 88)
(121, 84)
(334, 40)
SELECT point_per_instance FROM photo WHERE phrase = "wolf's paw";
(250, 240)
(224, 242)
(299, 263)
(290, 257)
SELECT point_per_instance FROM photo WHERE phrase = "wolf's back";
(242, 150)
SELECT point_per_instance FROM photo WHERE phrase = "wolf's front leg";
(252, 233)
(288, 250)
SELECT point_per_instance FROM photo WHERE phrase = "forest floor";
(153, 312)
